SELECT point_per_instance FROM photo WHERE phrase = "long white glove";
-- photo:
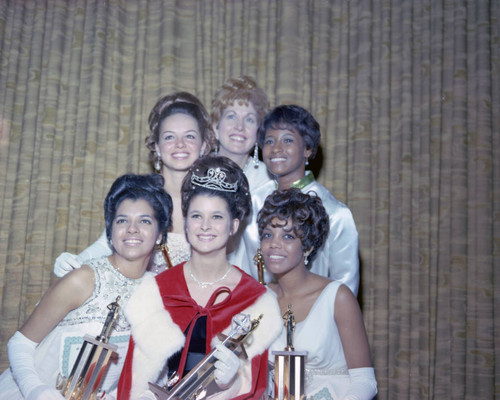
(67, 262)
(363, 384)
(226, 366)
(22, 364)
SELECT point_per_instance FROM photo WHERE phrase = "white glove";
(21, 352)
(226, 366)
(67, 262)
(363, 384)
(147, 395)
(45, 392)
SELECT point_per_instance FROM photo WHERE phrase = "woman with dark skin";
(289, 137)
(292, 227)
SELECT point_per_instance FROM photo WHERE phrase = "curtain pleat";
(407, 94)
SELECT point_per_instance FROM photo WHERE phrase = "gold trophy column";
(289, 365)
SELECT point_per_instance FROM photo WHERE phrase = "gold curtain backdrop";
(408, 97)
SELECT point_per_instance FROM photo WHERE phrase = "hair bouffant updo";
(135, 187)
(243, 90)
(189, 105)
(306, 212)
(218, 176)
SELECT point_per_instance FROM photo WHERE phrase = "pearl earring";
(306, 261)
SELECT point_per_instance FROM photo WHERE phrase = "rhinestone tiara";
(215, 179)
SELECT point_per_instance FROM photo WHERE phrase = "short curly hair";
(135, 187)
(294, 118)
(244, 90)
(239, 202)
(310, 221)
(198, 112)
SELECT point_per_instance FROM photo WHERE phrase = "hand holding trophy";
(200, 382)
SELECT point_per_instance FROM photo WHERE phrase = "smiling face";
(180, 143)
(134, 230)
(281, 248)
(209, 224)
(237, 130)
(284, 153)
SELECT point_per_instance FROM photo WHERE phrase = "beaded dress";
(57, 352)
(327, 376)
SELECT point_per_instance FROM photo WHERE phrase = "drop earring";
(306, 261)
(307, 161)
(158, 162)
(256, 156)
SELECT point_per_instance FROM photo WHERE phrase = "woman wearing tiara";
(292, 227)
(176, 316)
(137, 214)
(180, 133)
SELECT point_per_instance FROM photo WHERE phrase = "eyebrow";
(171, 131)
(126, 215)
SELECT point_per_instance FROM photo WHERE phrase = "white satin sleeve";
(338, 259)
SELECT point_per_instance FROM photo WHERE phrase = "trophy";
(200, 383)
(289, 365)
(259, 261)
(164, 251)
(91, 362)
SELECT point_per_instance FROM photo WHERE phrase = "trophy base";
(289, 367)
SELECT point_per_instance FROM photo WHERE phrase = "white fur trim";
(265, 334)
(156, 336)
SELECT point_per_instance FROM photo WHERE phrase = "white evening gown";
(327, 376)
(57, 352)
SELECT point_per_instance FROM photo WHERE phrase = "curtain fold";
(407, 94)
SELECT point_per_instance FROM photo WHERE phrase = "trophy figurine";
(91, 362)
(259, 261)
(289, 365)
(199, 383)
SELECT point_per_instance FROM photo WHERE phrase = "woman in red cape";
(176, 316)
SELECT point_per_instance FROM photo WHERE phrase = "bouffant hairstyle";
(216, 176)
(310, 222)
(296, 119)
(243, 90)
(197, 110)
(135, 187)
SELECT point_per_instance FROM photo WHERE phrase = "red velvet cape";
(183, 310)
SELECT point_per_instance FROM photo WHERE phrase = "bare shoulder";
(78, 284)
(346, 305)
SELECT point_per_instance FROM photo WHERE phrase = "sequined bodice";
(109, 283)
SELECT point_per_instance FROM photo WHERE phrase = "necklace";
(204, 285)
